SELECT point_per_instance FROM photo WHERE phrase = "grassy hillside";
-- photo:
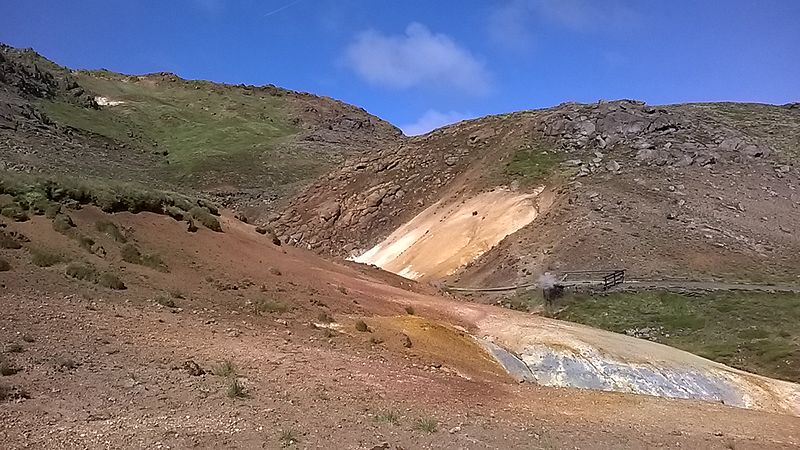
(246, 145)
(756, 332)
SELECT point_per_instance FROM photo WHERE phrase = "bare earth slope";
(696, 190)
(107, 368)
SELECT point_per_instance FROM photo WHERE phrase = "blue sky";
(420, 64)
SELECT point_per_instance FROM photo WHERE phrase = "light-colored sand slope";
(446, 236)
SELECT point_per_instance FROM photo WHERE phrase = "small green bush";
(236, 389)
(110, 229)
(426, 425)
(205, 217)
(44, 257)
(111, 281)
(81, 271)
(392, 417)
(5, 266)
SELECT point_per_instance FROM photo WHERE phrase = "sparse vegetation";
(390, 416)
(110, 196)
(224, 369)
(361, 326)
(236, 389)
(45, 257)
(754, 331)
(426, 425)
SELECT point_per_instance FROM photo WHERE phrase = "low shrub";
(81, 271)
(224, 369)
(44, 257)
(269, 306)
(426, 425)
(205, 217)
(165, 301)
(111, 281)
(236, 389)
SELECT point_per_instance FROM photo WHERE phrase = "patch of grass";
(269, 306)
(390, 416)
(45, 257)
(176, 293)
(110, 229)
(289, 438)
(426, 425)
(111, 281)
(81, 271)
(532, 164)
(5, 266)
(236, 389)
(224, 369)
(753, 331)
(361, 326)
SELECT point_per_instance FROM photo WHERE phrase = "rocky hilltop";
(702, 190)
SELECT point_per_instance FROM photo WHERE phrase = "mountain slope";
(696, 190)
(245, 145)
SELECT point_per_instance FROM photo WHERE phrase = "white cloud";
(431, 120)
(417, 57)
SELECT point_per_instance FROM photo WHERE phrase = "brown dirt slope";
(695, 190)
(109, 368)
